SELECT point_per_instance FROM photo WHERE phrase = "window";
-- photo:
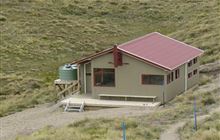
(172, 76)
(168, 79)
(104, 77)
(152, 79)
(190, 75)
(195, 60)
(190, 63)
(177, 73)
(195, 72)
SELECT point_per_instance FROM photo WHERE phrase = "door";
(88, 83)
(88, 78)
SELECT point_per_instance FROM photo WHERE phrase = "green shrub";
(2, 18)
(74, 9)
(34, 102)
(204, 79)
(208, 100)
(131, 124)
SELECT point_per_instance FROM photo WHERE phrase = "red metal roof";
(161, 50)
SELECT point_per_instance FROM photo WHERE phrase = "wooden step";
(74, 107)
(73, 110)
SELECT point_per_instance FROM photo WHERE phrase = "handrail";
(66, 107)
(66, 89)
(82, 107)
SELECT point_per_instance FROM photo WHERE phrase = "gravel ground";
(33, 119)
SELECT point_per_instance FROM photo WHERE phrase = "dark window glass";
(190, 63)
(168, 78)
(172, 76)
(152, 79)
(104, 77)
(190, 75)
(194, 60)
(177, 73)
(195, 72)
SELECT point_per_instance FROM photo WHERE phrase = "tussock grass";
(40, 35)
(208, 129)
(98, 129)
(21, 93)
(204, 79)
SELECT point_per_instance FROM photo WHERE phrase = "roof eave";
(201, 53)
(92, 56)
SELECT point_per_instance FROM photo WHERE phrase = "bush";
(208, 101)
(34, 84)
(2, 18)
(204, 80)
(130, 124)
(74, 10)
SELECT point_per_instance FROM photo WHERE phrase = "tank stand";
(66, 87)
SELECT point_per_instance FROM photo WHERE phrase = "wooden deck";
(89, 101)
(59, 81)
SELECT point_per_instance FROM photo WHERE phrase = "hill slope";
(37, 36)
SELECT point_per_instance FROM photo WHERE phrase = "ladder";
(74, 107)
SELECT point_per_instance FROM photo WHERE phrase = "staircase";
(74, 107)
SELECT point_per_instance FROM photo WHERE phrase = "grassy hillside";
(37, 36)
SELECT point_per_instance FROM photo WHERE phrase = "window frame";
(172, 76)
(168, 78)
(190, 63)
(195, 72)
(190, 74)
(195, 60)
(142, 81)
(101, 72)
(177, 73)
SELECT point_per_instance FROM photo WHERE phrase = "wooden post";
(195, 117)
(163, 91)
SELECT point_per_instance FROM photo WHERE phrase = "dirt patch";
(33, 119)
(171, 133)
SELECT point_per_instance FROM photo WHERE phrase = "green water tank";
(68, 72)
